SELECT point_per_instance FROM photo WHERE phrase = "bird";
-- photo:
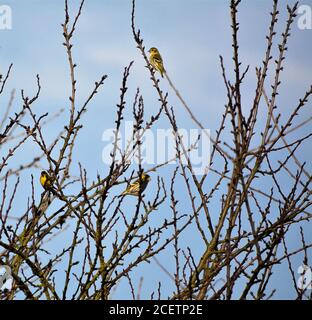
(47, 182)
(156, 60)
(138, 185)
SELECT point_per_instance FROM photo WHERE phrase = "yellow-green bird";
(156, 60)
(46, 181)
(140, 184)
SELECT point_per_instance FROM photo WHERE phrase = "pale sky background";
(190, 34)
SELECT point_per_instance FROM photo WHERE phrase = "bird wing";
(158, 58)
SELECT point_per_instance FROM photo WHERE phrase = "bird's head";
(153, 50)
(146, 177)
(43, 174)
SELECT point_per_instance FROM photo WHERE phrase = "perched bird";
(46, 181)
(156, 60)
(140, 184)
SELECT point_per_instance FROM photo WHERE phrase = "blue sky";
(190, 35)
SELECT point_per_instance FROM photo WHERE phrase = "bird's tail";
(53, 191)
(162, 72)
